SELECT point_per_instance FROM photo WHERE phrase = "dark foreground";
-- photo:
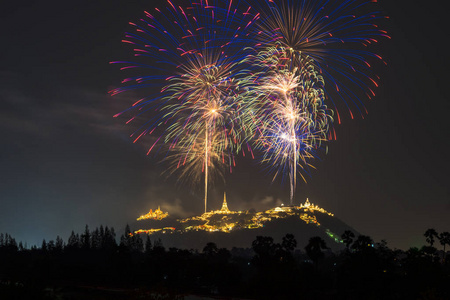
(93, 266)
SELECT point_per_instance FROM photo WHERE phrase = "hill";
(230, 229)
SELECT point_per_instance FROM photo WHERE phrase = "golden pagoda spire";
(224, 205)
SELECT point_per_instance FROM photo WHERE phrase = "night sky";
(66, 162)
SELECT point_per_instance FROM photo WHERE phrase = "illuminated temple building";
(223, 211)
(154, 215)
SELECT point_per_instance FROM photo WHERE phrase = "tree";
(125, 239)
(210, 249)
(444, 239)
(289, 243)
(158, 247)
(430, 253)
(264, 248)
(148, 245)
(44, 245)
(413, 254)
(138, 243)
(430, 235)
(158, 244)
(59, 245)
(74, 241)
(10, 243)
(112, 233)
(102, 235)
(51, 246)
(314, 249)
(95, 239)
(109, 239)
(363, 242)
(86, 238)
(347, 238)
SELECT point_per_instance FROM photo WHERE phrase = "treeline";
(96, 264)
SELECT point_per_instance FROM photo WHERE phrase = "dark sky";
(65, 162)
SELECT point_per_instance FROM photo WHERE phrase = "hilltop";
(231, 229)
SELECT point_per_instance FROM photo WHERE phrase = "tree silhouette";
(148, 245)
(102, 232)
(158, 248)
(289, 243)
(8, 243)
(347, 238)
(51, 245)
(430, 253)
(74, 241)
(372, 271)
(314, 249)
(125, 239)
(59, 244)
(444, 239)
(430, 235)
(109, 239)
(137, 243)
(86, 239)
(362, 243)
(264, 248)
(95, 239)
(21, 248)
(44, 245)
(210, 249)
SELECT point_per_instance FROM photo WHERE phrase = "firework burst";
(336, 35)
(193, 52)
(289, 116)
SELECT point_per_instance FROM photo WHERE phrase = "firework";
(193, 52)
(188, 162)
(336, 35)
(286, 101)
(301, 45)
(222, 75)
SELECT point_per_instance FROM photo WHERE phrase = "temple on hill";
(223, 211)
(307, 206)
(311, 207)
(154, 215)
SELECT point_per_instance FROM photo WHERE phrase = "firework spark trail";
(194, 52)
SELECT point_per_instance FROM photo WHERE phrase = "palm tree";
(289, 243)
(430, 234)
(264, 247)
(444, 239)
(314, 249)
